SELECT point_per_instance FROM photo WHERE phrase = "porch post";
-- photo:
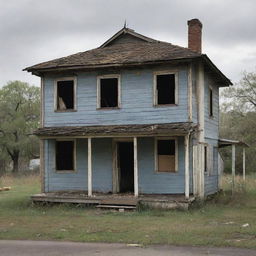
(89, 167)
(244, 163)
(186, 142)
(233, 166)
(136, 183)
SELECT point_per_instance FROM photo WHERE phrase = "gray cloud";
(36, 31)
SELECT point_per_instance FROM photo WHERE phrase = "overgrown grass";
(219, 222)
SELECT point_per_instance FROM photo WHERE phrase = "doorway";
(125, 161)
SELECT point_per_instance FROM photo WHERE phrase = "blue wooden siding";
(101, 162)
(160, 183)
(211, 179)
(149, 180)
(102, 165)
(211, 123)
(194, 93)
(57, 181)
(136, 101)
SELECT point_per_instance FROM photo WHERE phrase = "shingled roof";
(125, 48)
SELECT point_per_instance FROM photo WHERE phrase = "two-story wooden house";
(135, 115)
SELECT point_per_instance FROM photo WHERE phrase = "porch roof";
(227, 142)
(181, 128)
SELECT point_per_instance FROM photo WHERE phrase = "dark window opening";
(109, 93)
(165, 89)
(166, 155)
(64, 155)
(65, 95)
(126, 166)
(211, 102)
(205, 159)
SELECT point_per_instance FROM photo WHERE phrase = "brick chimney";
(195, 35)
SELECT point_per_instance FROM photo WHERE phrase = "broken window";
(65, 155)
(165, 89)
(65, 95)
(210, 102)
(108, 92)
(166, 154)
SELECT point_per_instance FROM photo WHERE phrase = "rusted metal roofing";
(117, 130)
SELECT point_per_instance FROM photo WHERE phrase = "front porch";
(116, 201)
(97, 165)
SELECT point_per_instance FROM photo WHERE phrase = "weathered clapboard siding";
(149, 180)
(211, 123)
(194, 95)
(136, 101)
(211, 179)
(159, 183)
(102, 165)
(66, 181)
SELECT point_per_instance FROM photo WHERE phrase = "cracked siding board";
(136, 101)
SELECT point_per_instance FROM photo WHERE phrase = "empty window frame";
(65, 155)
(165, 88)
(205, 159)
(108, 91)
(166, 153)
(65, 94)
(210, 102)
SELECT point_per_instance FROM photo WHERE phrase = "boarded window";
(210, 102)
(109, 92)
(166, 155)
(165, 86)
(65, 95)
(65, 155)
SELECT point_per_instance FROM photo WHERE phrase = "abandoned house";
(134, 118)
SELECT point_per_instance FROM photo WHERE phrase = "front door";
(125, 162)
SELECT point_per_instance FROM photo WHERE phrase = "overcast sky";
(33, 31)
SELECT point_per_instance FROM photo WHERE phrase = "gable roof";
(125, 48)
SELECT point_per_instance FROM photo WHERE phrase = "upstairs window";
(210, 102)
(65, 155)
(65, 94)
(108, 92)
(166, 155)
(165, 89)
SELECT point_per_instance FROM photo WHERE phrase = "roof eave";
(98, 66)
(226, 81)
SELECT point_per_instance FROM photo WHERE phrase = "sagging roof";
(117, 130)
(126, 48)
(227, 142)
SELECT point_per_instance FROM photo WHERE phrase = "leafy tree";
(238, 119)
(19, 116)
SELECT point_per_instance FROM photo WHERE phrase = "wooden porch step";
(108, 206)
(119, 201)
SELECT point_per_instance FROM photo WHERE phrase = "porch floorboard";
(166, 200)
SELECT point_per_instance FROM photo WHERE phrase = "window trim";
(71, 78)
(156, 139)
(210, 89)
(176, 78)
(118, 76)
(74, 157)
